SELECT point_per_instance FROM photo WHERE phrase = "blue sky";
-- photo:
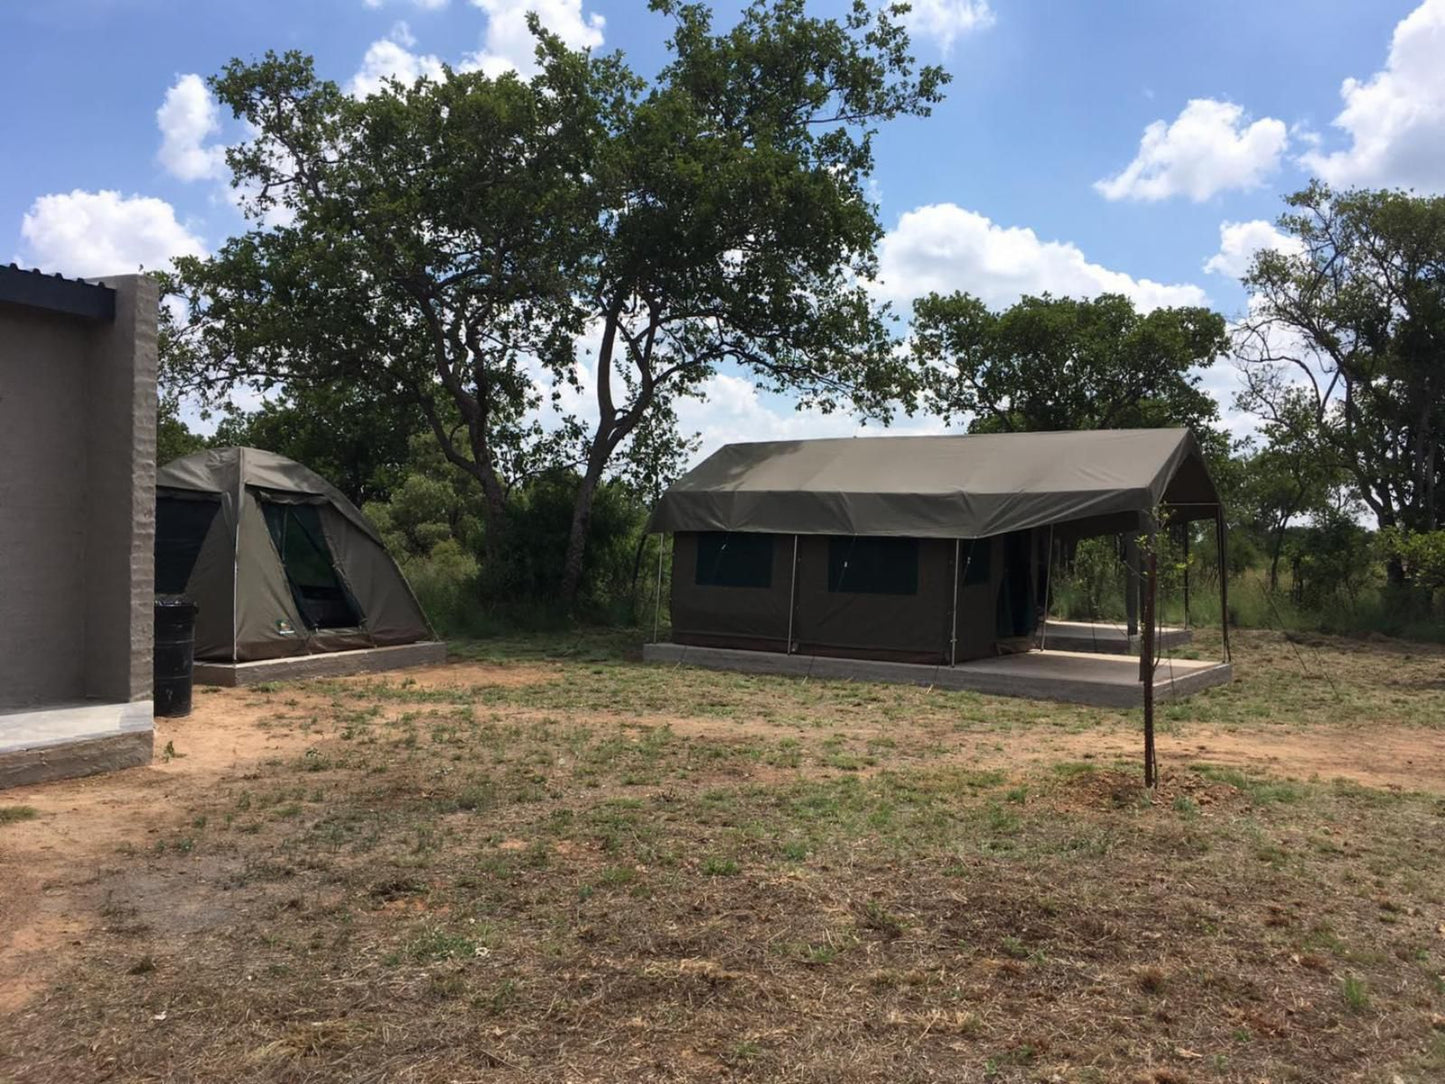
(1084, 146)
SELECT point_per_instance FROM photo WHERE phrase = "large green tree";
(1285, 477)
(1059, 363)
(420, 244)
(449, 242)
(1351, 321)
(737, 227)
(357, 440)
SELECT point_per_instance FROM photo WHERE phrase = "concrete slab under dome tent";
(928, 559)
(289, 578)
(77, 470)
(368, 660)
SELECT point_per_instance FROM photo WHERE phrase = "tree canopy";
(449, 243)
(1059, 363)
(1350, 324)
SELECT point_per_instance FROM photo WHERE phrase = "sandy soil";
(51, 866)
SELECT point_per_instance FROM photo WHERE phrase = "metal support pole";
(1146, 664)
(792, 596)
(1048, 591)
(657, 609)
(1186, 573)
(1222, 534)
(953, 617)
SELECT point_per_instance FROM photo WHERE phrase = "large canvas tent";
(278, 561)
(909, 549)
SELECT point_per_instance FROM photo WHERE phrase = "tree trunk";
(632, 613)
(1275, 550)
(1395, 572)
(577, 536)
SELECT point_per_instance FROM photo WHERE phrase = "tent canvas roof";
(223, 470)
(969, 486)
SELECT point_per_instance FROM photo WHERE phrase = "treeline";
(475, 303)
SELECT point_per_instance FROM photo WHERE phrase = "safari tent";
(278, 561)
(927, 550)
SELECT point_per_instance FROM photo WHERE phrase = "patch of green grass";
(1260, 791)
(616, 876)
(13, 814)
(742, 1053)
(1013, 948)
(440, 944)
(714, 866)
(1355, 993)
(874, 916)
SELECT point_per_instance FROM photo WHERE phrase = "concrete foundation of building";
(1110, 681)
(331, 664)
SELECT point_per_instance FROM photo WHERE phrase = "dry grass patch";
(612, 871)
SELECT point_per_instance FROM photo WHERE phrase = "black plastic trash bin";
(175, 647)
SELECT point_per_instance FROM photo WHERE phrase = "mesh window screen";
(320, 596)
(977, 554)
(182, 524)
(728, 559)
(873, 566)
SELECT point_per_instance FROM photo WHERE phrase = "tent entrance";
(320, 595)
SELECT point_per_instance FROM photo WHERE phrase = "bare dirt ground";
(117, 879)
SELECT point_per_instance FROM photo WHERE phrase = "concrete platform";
(82, 739)
(366, 660)
(1110, 681)
(1109, 639)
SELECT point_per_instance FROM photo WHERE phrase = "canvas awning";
(970, 486)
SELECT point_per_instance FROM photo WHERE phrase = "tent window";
(729, 559)
(873, 566)
(321, 598)
(182, 524)
(977, 561)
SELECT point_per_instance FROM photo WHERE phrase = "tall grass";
(1094, 590)
(463, 603)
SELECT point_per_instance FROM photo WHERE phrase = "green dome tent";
(278, 561)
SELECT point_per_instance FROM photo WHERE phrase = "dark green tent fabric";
(288, 565)
(913, 549)
(827, 618)
(974, 486)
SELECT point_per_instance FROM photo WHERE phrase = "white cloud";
(945, 21)
(392, 58)
(508, 44)
(731, 410)
(942, 247)
(186, 117)
(90, 234)
(1396, 118)
(1239, 241)
(1210, 147)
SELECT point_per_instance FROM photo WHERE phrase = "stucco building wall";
(77, 504)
